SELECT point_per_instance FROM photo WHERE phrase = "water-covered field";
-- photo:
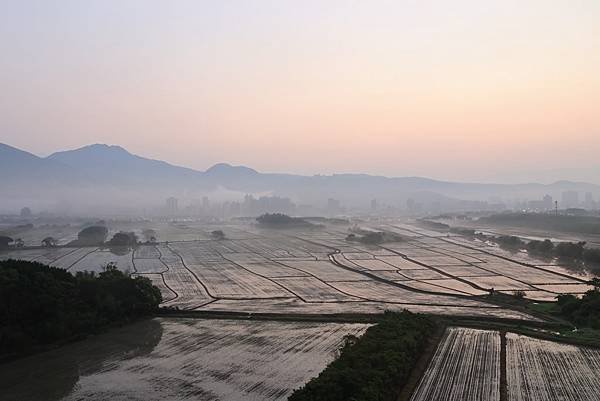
(318, 271)
(180, 359)
(467, 367)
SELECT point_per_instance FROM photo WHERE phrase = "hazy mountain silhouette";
(116, 166)
(102, 174)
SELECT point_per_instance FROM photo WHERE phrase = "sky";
(461, 90)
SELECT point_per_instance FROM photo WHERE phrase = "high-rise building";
(333, 206)
(570, 199)
(373, 205)
(172, 205)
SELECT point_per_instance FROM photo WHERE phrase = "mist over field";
(111, 180)
(262, 200)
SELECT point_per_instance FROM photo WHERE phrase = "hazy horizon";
(543, 177)
(468, 91)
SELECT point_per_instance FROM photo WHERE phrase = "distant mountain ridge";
(103, 173)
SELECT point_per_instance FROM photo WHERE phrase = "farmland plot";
(401, 263)
(439, 260)
(466, 271)
(325, 270)
(149, 266)
(190, 292)
(526, 273)
(566, 288)
(539, 370)
(422, 274)
(227, 280)
(73, 257)
(430, 287)
(373, 264)
(158, 281)
(535, 295)
(465, 367)
(310, 289)
(383, 292)
(96, 261)
(499, 283)
(272, 269)
(392, 275)
(146, 252)
(457, 286)
(180, 359)
(41, 255)
(297, 306)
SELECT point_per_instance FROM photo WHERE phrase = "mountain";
(113, 165)
(109, 176)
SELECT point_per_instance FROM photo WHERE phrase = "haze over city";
(310, 200)
(464, 91)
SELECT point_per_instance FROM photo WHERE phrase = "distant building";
(589, 202)
(26, 212)
(333, 206)
(373, 205)
(205, 203)
(570, 199)
(172, 205)
(544, 204)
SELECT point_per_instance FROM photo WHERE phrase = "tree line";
(41, 305)
(374, 367)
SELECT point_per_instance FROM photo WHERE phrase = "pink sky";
(465, 90)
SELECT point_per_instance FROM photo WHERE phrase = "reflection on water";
(53, 375)
(180, 360)
(120, 250)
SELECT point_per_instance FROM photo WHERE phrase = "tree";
(5, 241)
(49, 242)
(40, 304)
(123, 239)
(149, 235)
(569, 250)
(218, 234)
(92, 235)
(544, 248)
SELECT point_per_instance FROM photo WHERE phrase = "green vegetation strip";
(375, 366)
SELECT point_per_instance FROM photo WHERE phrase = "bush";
(374, 367)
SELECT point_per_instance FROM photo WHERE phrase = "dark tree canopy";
(92, 235)
(41, 305)
(584, 311)
(123, 239)
(375, 366)
(49, 242)
(280, 220)
(5, 241)
(218, 234)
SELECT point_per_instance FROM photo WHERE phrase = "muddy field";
(318, 271)
(539, 370)
(180, 359)
(467, 367)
